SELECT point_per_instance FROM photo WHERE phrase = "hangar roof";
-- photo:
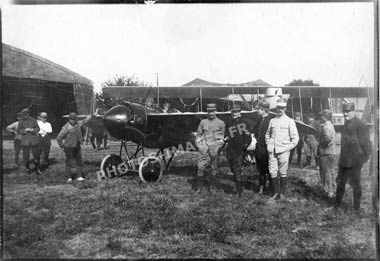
(22, 64)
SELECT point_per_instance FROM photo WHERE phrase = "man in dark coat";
(17, 137)
(261, 152)
(354, 152)
(238, 138)
(28, 129)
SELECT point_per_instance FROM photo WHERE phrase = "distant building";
(32, 81)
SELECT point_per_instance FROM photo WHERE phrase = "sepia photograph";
(190, 129)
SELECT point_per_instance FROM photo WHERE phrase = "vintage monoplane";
(147, 126)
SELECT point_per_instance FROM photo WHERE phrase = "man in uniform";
(69, 139)
(298, 148)
(44, 138)
(281, 137)
(96, 135)
(311, 143)
(167, 108)
(28, 129)
(209, 140)
(354, 152)
(326, 152)
(238, 138)
(17, 137)
(261, 152)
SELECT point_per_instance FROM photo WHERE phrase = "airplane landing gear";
(151, 169)
(110, 165)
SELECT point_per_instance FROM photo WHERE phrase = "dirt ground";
(47, 217)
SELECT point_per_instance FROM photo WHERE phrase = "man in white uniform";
(44, 139)
(281, 137)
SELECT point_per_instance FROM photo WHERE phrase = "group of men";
(275, 139)
(31, 135)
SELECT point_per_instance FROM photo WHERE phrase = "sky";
(329, 43)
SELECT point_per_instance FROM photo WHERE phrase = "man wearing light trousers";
(281, 137)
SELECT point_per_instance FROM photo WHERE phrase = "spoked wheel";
(151, 169)
(109, 165)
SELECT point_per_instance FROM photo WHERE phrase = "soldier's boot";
(239, 188)
(316, 162)
(299, 160)
(80, 173)
(37, 168)
(308, 162)
(268, 188)
(357, 199)
(339, 196)
(69, 175)
(283, 186)
(261, 189)
(276, 188)
(208, 182)
(27, 168)
(199, 182)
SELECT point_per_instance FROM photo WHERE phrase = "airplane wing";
(193, 118)
(180, 91)
(327, 92)
(223, 91)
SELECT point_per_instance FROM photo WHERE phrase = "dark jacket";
(259, 131)
(30, 137)
(355, 144)
(238, 138)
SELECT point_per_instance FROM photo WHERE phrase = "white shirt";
(45, 128)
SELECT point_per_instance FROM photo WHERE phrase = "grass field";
(45, 217)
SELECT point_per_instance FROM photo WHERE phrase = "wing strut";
(299, 94)
(200, 96)
(330, 99)
(233, 93)
(292, 108)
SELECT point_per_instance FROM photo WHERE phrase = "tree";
(122, 81)
(308, 105)
(125, 80)
(301, 82)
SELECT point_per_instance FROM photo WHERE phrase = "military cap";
(43, 115)
(72, 116)
(349, 106)
(211, 107)
(326, 113)
(235, 108)
(311, 115)
(297, 114)
(263, 104)
(281, 103)
(26, 110)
